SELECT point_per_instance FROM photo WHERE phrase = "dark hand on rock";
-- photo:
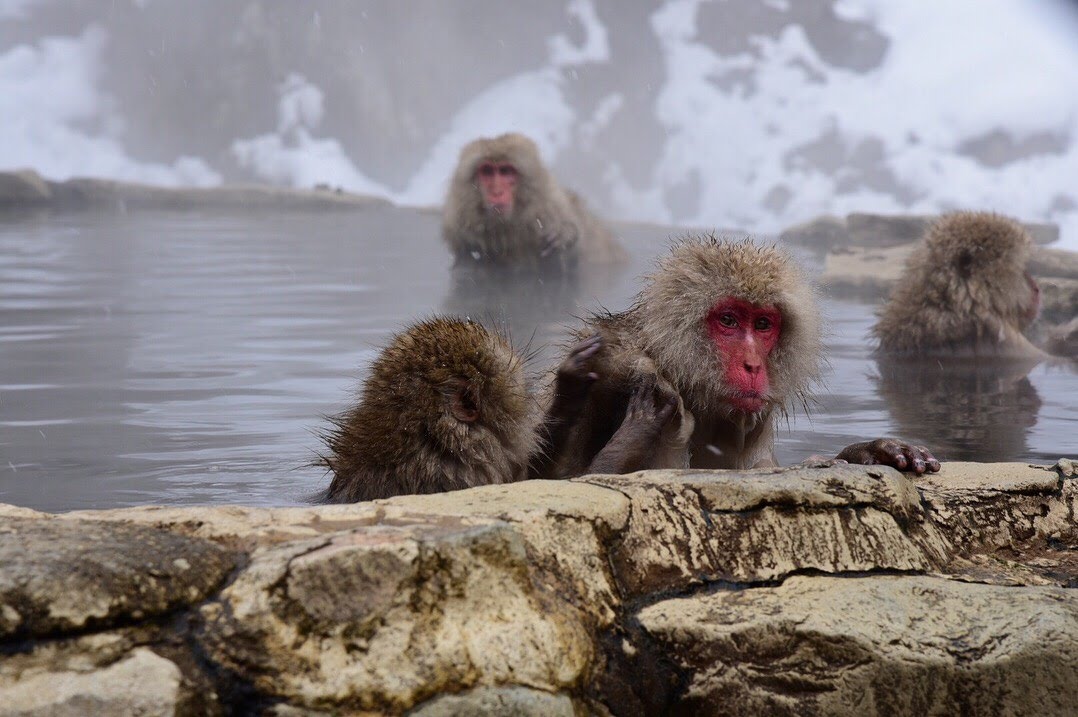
(633, 444)
(891, 452)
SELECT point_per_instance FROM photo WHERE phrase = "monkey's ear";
(963, 263)
(464, 404)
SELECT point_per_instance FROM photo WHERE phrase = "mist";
(741, 114)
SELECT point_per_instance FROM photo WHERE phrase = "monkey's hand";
(632, 445)
(552, 242)
(890, 452)
(575, 378)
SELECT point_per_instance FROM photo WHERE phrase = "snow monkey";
(504, 208)
(969, 293)
(729, 333)
(446, 407)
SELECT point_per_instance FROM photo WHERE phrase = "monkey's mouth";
(748, 401)
(500, 208)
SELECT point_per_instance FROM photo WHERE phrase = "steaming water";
(187, 358)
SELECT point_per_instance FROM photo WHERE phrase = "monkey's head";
(967, 286)
(733, 324)
(985, 256)
(500, 172)
(456, 384)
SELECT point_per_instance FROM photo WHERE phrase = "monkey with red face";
(724, 337)
(504, 208)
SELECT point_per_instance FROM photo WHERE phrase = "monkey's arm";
(633, 445)
(571, 387)
(890, 452)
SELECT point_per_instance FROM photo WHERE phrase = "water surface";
(189, 357)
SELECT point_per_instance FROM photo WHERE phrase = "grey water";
(186, 358)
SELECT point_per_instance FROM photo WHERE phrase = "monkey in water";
(445, 407)
(729, 334)
(969, 294)
(505, 209)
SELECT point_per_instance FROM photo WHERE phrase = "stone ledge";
(607, 594)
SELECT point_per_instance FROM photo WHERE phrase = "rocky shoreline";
(806, 590)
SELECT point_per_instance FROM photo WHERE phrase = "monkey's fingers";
(920, 458)
(666, 412)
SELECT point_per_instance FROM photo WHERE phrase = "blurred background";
(753, 114)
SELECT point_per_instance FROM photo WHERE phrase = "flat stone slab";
(690, 527)
(64, 576)
(873, 646)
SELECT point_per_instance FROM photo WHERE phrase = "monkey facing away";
(504, 208)
(728, 332)
(969, 293)
(446, 407)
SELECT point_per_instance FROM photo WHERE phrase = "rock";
(88, 193)
(507, 701)
(386, 617)
(63, 576)
(23, 188)
(1059, 299)
(881, 231)
(1054, 263)
(820, 234)
(887, 645)
(143, 683)
(690, 528)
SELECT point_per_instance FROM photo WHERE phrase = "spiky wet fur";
(963, 291)
(664, 333)
(402, 438)
(541, 208)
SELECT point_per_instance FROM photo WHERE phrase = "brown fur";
(964, 291)
(542, 210)
(664, 333)
(402, 436)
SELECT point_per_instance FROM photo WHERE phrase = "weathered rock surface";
(61, 576)
(869, 646)
(808, 590)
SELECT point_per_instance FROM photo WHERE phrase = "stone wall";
(831, 590)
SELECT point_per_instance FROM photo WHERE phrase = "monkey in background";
(504, 208)
(969, 294)
(446, 407)
(728, 334)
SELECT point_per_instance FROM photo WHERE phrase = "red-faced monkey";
(504, 208)
(729, 331)
(446, 406)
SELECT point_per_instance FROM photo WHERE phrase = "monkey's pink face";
(744, 334)
(497, 182)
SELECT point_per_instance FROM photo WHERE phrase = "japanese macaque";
(446, 406)
(726, 335)
(504, 208)
(967, 294)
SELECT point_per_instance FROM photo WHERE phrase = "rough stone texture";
(510, 702)
(810, 590)
(1059, 299)
(687, 528)
(143, 683)
(389, 616)
(873, 646)
(61, 576)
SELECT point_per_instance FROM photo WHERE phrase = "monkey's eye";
(727, 320)
(507, 170)
(486, 170)
(763, 324)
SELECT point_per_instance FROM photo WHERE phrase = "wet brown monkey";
(729, 331)
(446, 406)
(504, 208)
(967, 292)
